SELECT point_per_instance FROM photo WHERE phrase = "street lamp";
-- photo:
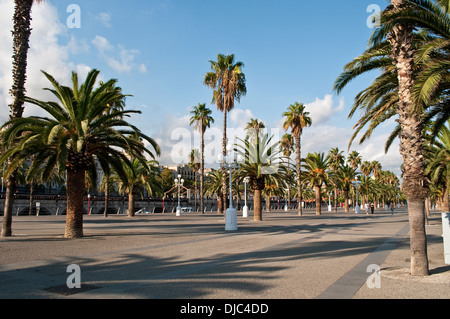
(179, 182)
(89, 203)
(245, 209)
(356, 184)
(230, 214)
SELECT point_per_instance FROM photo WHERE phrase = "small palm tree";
(76, 134)
(139, 178)
(345, 176)
(296, 118)
(261, 158)
(202, 119)
(315, 174)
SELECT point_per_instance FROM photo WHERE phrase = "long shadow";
(171, 277)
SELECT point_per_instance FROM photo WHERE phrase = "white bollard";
(446, 235)
(231, 220)
(245, 212)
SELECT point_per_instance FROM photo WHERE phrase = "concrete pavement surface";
(333, 256)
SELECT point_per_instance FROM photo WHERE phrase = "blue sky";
(293, 50)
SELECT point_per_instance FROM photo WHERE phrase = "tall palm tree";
(296, 118)
(438, 163)
(336, 160)
(261, 158)
(202, 119)
(411, 139)
(228, 83)
(75, 135)
(194, 164)
(254, 127)
(354, 159)
(21, 36)
(287, 147)
(316, 175)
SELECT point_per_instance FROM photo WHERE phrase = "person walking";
(392, 208)
(372, 208)
(366, 207)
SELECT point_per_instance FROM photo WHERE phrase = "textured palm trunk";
(105, 212)
(257, 215)
(318, 200)
(268, 208)
(411, 145)
(346, 200)
(75, 207)
(9, 201)
(30, 203)
(224, 153)
(202, 169)
(21, 35)
(299, 182)
(131, 204)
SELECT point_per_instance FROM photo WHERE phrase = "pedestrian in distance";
(372, 208)
(366, 207)
(392, 208)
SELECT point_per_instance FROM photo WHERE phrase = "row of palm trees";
(410, 50)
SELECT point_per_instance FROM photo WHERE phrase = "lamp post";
(356, 184)
(245, 209)
(179, 182)
(89, 203)
(230, 214)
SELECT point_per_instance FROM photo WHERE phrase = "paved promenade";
(192, 257)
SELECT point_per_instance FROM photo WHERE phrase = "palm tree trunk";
(9, 202)
(30, 203)
(299, 182)
(318, 200)
(105, 212)
(257, 205)
(131, 204)
(268, 208)
(411, 145)
(346, 200)
(21, 36)
(202, 168)
(224, 153)
(75, 208)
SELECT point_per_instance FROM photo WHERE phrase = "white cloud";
(45, 53)
(240, 117)
(105, 18)
(102, 44)
(322, 110)
(123, 62)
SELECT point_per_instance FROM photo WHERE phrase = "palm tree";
(296, 118)
(287, 147)
(354, 159)
(315, 175)
(139, 178)
(254, 127)
(194, 164)
(228, 82)
(77, 133)
(201, 117)
(260, 160)
(438, 163)
(345, 176)
(21, 36)
(335, 160)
